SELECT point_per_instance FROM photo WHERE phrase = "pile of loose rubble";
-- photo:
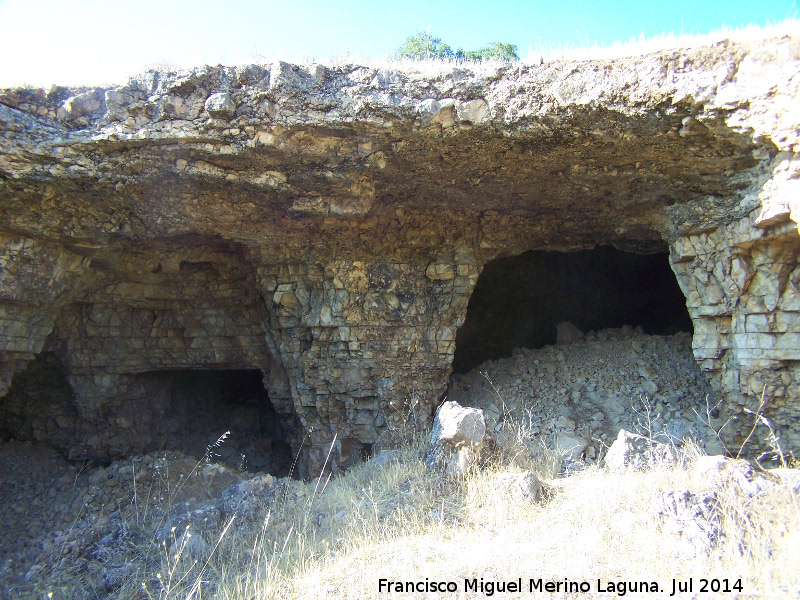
(80, 531)
(577, 395)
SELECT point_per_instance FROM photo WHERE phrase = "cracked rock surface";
(326, 226)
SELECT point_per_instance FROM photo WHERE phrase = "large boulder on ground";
(457, 437)
(636, 452)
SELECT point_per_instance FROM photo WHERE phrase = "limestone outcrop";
(327, 226)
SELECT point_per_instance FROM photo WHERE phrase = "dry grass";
(586, 50)
(337, 538)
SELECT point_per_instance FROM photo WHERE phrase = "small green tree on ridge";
(423, 45)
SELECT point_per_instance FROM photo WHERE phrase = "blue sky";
(104, 41)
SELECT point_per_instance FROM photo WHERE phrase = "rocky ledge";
(327, 226)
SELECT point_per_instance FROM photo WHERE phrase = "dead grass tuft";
(335, 538)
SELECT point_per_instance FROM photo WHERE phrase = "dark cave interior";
(39, 405)
(183, 409)
(519, 301)
(205, 404)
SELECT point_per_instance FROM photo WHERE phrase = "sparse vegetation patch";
(167, 527)
(423, 46)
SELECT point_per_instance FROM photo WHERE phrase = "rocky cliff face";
(328, 225)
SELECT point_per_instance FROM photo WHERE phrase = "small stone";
(440, 272)
(220, 105)
(98, 477)
(719, 471)
(570, 446)
(635, 452)
(33, 573)
(519, 486)
(650, 387)
(565, 424)
(384, 458)
(189, 546)
(567, 333)
(461, 462)
(454, 427)
(217, 478)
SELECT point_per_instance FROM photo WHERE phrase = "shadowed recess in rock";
(328, 225)
(39, 405)
(186, 410)
(201, 405)
(519, 301)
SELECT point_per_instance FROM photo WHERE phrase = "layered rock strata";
(327, 225)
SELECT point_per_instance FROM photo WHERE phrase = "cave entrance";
(39, 405)
(519, 301)
(201, 405)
